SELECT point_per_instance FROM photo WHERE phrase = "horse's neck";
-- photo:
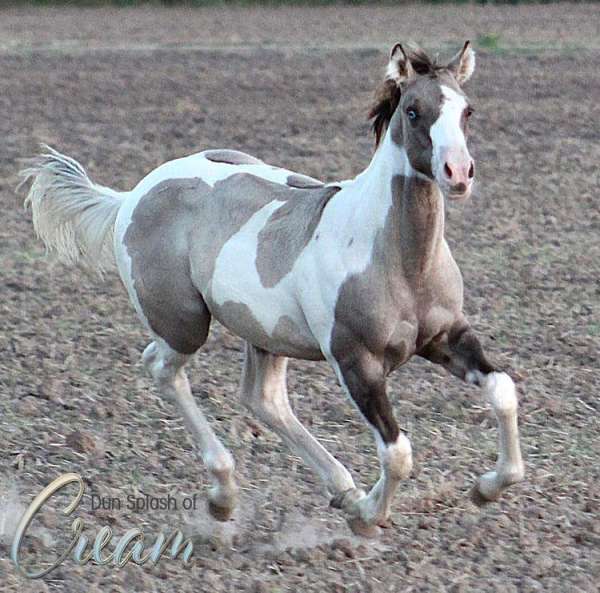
(407, 207)
(419, 213)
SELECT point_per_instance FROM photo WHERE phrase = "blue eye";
(412, 114)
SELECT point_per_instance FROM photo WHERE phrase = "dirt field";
(124, 91)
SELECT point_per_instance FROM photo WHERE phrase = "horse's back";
(216, 165)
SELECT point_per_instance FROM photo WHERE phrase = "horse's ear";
(399, 68)
(462, 65)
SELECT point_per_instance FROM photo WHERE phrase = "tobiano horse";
(357, 273)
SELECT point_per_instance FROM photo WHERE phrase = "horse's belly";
(289, 336)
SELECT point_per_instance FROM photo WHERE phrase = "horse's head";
(427, 112)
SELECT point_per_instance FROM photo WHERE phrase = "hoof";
(363, 529)
(348, 499)
(477, 498)
(219, 513)
(385, 523)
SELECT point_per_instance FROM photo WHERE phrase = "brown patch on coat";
(458, 350)
(303, 182)
(232, 314)
(425, 95)
(231, 157)
(420, 226)
(297, 343)
(158, 242)
(288, 231)
(411, 291)
(223, 212)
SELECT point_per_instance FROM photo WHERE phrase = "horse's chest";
(438, 304)
(393, 319)
(413, 326)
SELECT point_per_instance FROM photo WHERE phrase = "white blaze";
(446, 133)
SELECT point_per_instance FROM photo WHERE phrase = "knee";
(500, 391)
(253, 405)
(166, 368)
(397, 458)
(162, 373)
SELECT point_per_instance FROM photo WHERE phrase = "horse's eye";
(468, 112)
(412, 114)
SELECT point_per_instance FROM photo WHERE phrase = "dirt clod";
(80, 441)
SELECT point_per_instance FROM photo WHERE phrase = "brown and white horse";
(357, 273)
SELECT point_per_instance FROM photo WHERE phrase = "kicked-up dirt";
(125, 90)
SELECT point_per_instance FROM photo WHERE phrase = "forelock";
(422, 63)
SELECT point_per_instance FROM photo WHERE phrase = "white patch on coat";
(326, 263)
(235, 277)
(396, 457)
(331, 259)
(500, 391)
(446, 130)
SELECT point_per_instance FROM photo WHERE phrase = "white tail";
(73, 216)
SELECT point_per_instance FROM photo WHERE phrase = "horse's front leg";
(461, 353)
(363, 377)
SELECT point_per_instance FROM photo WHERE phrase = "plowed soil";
(123, 91)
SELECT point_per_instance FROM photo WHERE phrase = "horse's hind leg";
(153, 261)
(264, 392)
(166, 366)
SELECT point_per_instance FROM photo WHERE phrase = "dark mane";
(387, 95)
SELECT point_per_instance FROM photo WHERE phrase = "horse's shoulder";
(289, 230)
(447, 277)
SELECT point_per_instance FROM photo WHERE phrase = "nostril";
(472, 170)
(448, 171)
